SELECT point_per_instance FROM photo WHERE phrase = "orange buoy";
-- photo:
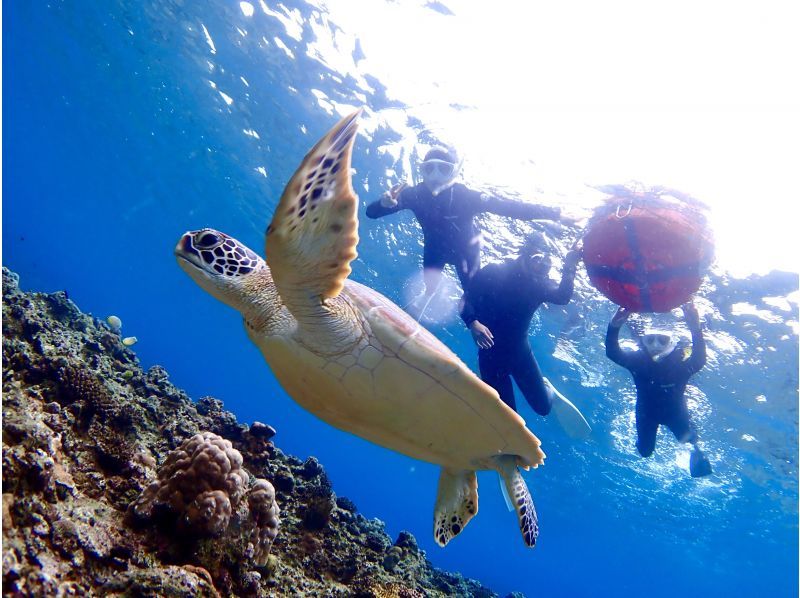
(648, 251)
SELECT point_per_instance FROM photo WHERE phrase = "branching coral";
(79, 384)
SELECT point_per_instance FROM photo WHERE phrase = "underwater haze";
(127, 123)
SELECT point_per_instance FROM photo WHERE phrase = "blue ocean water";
(126, 123)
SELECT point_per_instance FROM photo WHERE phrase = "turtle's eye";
(207, 241)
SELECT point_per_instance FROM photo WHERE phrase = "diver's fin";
(506, 497)
(699, 465)
(568, 415)
(456, 503)
(521, 497)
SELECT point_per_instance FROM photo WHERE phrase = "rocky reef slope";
(86, 432)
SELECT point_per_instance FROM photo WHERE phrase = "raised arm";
(698, 357)
(389, 203)
(562, 294)
(613, 351)
(517, 209)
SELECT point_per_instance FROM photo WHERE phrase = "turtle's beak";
(185, 252)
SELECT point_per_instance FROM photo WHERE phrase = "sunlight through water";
(609, 96)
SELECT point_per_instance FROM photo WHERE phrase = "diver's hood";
(536, 243)
(659, 344)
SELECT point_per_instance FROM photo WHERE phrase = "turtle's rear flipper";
(521, 497)
(456, 503)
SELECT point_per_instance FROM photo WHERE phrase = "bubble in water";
(440, 307)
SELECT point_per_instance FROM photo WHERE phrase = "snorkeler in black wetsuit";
(661, 373)
(446, 212)
(499, 303)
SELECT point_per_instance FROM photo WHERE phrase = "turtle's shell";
(401, 388)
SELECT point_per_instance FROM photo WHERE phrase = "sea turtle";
(352, 357)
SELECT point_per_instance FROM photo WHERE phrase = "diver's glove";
(389, 199)
(690, 313)
(620, 317)
(574, 255)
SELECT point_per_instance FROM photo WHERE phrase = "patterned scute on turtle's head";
(216, 252)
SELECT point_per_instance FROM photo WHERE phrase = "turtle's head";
(223, 266)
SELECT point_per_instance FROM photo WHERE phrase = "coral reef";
(116, 484)
(201, 481)
(264, 512)
(201, 485)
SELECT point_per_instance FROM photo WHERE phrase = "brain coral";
(202, 481)
(264, 512)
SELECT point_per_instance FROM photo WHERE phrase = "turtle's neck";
(257, 299)
(253, 294)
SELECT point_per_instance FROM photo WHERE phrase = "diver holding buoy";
(498, 306)
(647, 250)
(446, 211)
(661, 369)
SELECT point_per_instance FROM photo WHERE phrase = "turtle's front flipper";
(521, 497)
(314, 231)
(456, 503)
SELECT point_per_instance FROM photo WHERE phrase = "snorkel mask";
(439, 169)
(658, 344)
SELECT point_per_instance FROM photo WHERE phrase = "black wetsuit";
(504, 298)
(448, 222)
(660, 387)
